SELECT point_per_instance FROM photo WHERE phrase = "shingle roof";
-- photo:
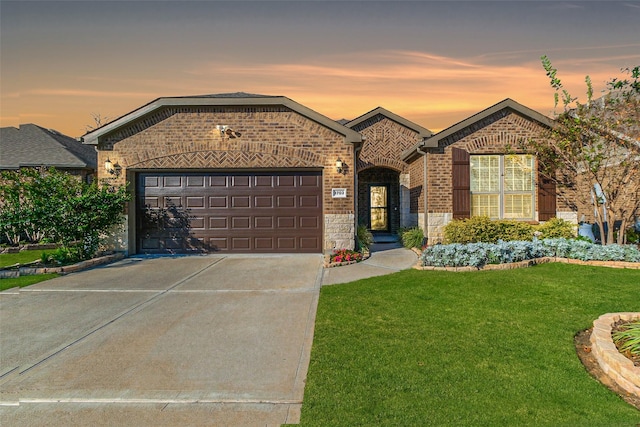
(32, 145)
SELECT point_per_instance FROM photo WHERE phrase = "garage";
(229, 212)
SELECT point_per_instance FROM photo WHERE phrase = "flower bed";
(344, 257)
(479, 255)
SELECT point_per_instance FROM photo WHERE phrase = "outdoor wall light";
(339, 165)
(112, 169)
(227, 131)
(222, 129)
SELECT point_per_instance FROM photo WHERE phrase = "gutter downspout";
(425, 156)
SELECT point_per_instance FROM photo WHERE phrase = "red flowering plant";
(345, 255)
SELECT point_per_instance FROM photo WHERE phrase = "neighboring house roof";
(421, 131)
(31, 146)
(508, 103)
(224, 99)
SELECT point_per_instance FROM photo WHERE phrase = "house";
(253, 173)
(34, 146)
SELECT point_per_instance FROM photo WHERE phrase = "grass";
(22, 281)
(490, 348)
(21, 257)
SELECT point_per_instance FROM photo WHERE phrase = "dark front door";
(229, 212)
(379, 207)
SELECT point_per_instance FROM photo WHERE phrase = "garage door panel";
(263, 222)
(286, 201)
(309, 201)
(212, 212)
(173, 181)
(241, 181)
(263, 202)
(264, 181)
(218, 181)
(240, 222)
(286, 181)
(195, 202)
(218, 223)
(240, 201)
(309, 222)
(218, 202)
(195, 181)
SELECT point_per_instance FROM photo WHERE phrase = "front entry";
(379, 200)
(379, 207)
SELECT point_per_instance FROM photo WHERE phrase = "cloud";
(90, 93)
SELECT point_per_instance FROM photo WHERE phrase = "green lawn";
(22, 257)
(19, 282)
(490, 348)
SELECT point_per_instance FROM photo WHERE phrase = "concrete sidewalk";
(386, 258)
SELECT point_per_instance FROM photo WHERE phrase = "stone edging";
(27, 271)
(532, 262)
(619, 368)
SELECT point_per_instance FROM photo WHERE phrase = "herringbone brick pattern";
(384, 144)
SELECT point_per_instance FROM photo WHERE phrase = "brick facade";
(272, 138)
(380, 162)
(498, 133)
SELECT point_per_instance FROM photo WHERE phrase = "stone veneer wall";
(339, 231)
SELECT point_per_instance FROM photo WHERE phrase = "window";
(502, 187)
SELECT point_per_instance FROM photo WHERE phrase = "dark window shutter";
(461, 183)
(546, 198)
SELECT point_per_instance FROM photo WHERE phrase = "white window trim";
(501, 188)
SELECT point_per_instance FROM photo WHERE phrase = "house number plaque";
(338, 193)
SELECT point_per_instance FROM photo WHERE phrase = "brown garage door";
(221, 212)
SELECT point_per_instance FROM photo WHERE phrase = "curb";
(616, 366)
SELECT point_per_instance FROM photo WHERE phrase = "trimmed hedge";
(483, 229)
(480, 254)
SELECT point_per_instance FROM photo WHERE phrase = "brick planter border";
(616, 366)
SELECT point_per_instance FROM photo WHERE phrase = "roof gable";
(421, 131)
(31, 145)
(233, 99)
(508, 103)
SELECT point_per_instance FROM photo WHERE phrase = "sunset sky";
(434, 63)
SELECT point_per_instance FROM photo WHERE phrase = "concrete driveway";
(200, 340)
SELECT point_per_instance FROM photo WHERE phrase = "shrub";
(412, 237)
(483, 229)
(364, 236)
(480, 254)
(48, 204)
(556, 227)
(633, 236)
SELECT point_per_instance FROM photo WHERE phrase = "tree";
(46, 203)
(98, 121)
(592, 152)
